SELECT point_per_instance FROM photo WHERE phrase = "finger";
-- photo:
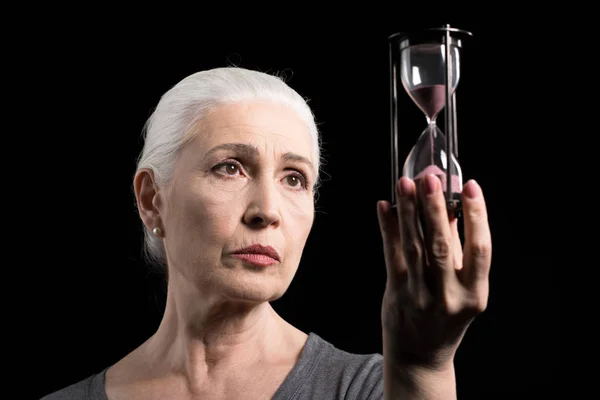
(478, 243)
(410, 233)
(438, 235)
(456, 244)
(390, 234)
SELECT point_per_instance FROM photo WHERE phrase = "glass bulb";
(423, 74)
(429, 156)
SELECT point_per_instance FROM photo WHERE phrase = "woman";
(225, 189)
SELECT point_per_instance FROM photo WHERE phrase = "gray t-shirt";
(323, 372)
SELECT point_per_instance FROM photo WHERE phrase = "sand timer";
(429, 71)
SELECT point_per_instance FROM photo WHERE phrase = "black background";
(95, 81)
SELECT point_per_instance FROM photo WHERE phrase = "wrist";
(414, 375)
(410, 381)
(412, 355)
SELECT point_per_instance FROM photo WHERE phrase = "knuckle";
(413, 251)
(440, 247)
(481, 249)
(420, 299)
(476, 213)
(451, 302)
(480, 304)
(391, 252)
(422, 302)
(463, 305)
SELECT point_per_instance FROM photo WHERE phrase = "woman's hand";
(435, 287)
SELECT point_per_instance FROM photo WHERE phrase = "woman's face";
(245, 179)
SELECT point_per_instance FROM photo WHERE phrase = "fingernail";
(430, 184)
(472, 189)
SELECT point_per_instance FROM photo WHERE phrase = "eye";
(228, 168)
(296, 180)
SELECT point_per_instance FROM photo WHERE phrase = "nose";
(264, 206)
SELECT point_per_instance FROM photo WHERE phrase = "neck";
(201, 335)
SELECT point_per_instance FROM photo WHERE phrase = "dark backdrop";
(95, 300)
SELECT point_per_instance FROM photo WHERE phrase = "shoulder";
(90, 388)
(336, 373)
(352, 369)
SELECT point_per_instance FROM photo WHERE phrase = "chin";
(252, 288)
(251, 295)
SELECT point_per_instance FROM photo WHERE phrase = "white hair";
(186, 103)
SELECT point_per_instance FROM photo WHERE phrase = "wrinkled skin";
(435, 285)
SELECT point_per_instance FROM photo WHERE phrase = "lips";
(259, 250)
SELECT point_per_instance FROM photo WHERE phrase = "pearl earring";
(157, 231)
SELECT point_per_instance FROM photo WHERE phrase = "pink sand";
(437, 171)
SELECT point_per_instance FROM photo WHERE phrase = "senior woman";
(225, 190)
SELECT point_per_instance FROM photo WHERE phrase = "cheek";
(203, 211)
(213, 213)
(302, 217)
(203, 214)
(303, 212)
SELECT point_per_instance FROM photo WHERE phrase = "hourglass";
(429, 71)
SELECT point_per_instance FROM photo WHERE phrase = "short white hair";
(185, 104)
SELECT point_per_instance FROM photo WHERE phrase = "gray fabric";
(323, 372)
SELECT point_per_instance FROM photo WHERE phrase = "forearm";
(403, 382)
(408, 376)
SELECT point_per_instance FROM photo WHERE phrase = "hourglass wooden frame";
(398, 43)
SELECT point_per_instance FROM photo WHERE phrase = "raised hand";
(435, 286)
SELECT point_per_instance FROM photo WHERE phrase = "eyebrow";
(251, 151)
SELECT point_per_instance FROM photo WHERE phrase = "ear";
(146, 194)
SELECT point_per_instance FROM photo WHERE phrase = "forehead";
(267, 125)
